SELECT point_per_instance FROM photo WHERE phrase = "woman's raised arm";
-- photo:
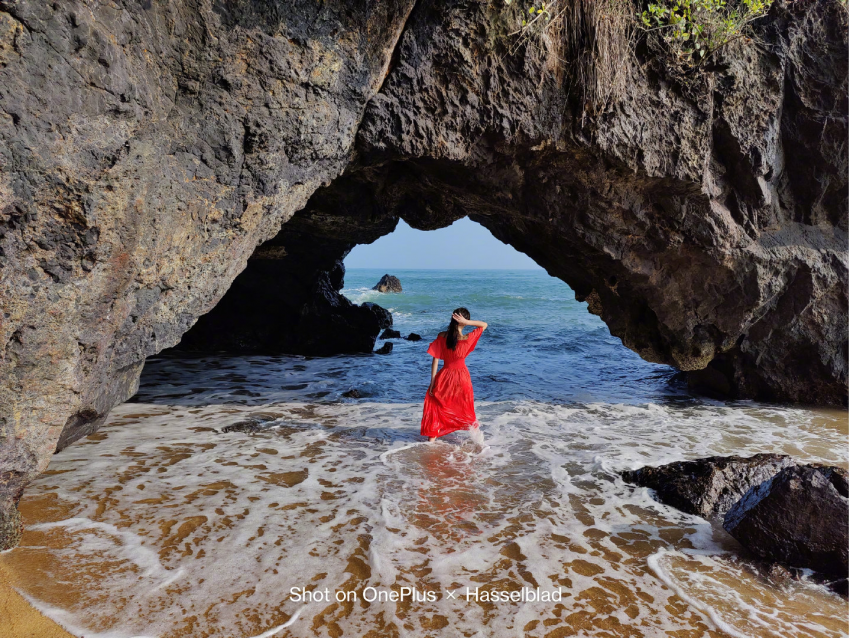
(469, 322)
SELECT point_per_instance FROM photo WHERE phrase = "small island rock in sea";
(388, 283)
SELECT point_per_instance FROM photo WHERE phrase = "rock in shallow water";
(798, 517)
(389, 333)
(388, 283)
(707, 487)
(385, 349)
(254, 422)
(840, 587)
(275, 307)
(384, 316)
(413, 337)
(352, 394)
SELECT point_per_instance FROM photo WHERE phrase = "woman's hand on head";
(461, 321)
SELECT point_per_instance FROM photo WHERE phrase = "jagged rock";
(352, 394)
(385, 317)
(782, 512)
(141, 168)
(838, 476)
(413, 337)
(798, 517)
(707, 487)
(389, 333)
(840, 587)
(285, 316)
(781, 575)
(385, 349)
(11, 528)
(388, 283)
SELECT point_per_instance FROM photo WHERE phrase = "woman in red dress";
(449, 402)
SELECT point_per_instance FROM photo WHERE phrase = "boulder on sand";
(798, 517)
(385, 349)
(388, 283)
(707, 487)
(389, 333)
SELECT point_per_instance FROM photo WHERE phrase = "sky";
(464, 245)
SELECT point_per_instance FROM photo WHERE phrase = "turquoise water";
(541, 343)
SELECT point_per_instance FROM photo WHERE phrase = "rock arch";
(147, 149)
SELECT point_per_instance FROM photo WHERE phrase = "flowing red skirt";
(451, 407)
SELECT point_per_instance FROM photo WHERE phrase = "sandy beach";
(20, 619)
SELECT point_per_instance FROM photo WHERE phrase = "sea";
(332, 516)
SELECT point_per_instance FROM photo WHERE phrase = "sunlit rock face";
(147, 150)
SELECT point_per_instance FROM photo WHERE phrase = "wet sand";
(20, 619)
(165, 524)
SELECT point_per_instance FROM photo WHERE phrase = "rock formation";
(413, 337)
(389, 333)
(388, 283)
(798, 517)
(708, 487)
(152, 153)
(385, 349)
(146, 149)
(255, 422)
(780, 511)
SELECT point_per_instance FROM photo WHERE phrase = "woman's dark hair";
(451, 334)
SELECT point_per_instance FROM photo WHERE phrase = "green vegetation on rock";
(694, 29)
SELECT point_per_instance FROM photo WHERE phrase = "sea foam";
(189, 522)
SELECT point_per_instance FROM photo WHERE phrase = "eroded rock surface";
(147, 149)
(678, 212)
(798, 517)
(288, 301)
(708, 487)
(706, 226)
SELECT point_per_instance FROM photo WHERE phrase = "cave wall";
(148, 148)
(288, 300)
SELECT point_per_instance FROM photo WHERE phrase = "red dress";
(452, 406)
